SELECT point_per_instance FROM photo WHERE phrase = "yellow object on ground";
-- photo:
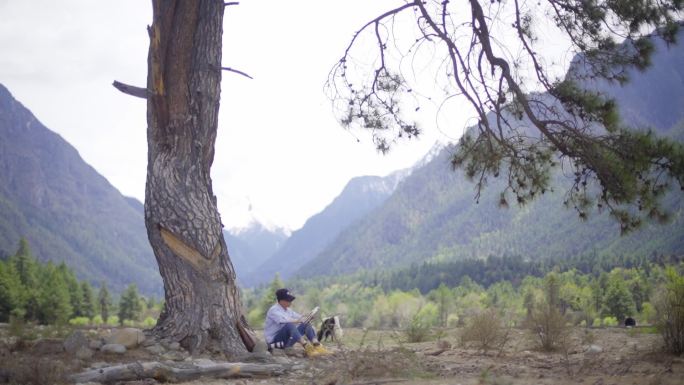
(311, 351)
(321, 350)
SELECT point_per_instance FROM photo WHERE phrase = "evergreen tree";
(130, 307)
(53, 298)
(10, 290)
(88, 300)
(74, 289)
(27, 270)
(25, 264)
(104, 301)
(269, 298)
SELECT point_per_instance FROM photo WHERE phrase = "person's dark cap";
(284, 294)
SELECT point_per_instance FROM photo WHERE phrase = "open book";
(308, 317)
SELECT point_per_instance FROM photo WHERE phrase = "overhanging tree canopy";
(486, 52)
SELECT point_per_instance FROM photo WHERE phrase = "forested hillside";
(251, 246)
(433, 214)
(67, 211)
(359, 198)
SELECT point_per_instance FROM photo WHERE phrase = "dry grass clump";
(486, 330)
(370, 363)
(31, 371)
(549, 327)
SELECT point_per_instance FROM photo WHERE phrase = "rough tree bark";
(183, 224)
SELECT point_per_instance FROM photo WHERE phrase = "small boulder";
(95, 344)
(155, 349)
(128, 337)
(113, 349)
(75, 342)
(84, 353)
(593, 350)
(174, 346)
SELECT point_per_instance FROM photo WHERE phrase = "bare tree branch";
(236, 71)
(228, 3)
(131, 90)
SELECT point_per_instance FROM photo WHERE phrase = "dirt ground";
(619, 357)
(628, 356)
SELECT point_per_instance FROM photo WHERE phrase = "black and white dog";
(330, 327)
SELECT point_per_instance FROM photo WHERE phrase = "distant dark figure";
(630, 322)
(330, 328)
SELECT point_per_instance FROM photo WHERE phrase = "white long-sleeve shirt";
(276, 317)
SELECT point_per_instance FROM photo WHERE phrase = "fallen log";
(167, 372)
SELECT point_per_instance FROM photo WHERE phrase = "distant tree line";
(429, 275)
(588, 299)
(45, 293)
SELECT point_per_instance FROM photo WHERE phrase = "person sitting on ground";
(284, 327)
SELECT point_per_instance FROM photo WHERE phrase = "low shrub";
(418, 329)
(79, 321)
(610, 321)
(669, 305)
(485, 331)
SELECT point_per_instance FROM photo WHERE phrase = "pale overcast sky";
(279, 149)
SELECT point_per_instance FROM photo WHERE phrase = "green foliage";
(149, 322)
(618, 300)
(610, 321)
(130, 306)
(268, 298)
(54, 299)
(11, 296)
(547, 324)
(443, 298)
(670, 311)
(80, 321)
(88, 300)
(104, 301)
(418, 330)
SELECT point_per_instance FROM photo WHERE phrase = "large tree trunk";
(183, 224)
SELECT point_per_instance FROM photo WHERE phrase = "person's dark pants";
(291, 333)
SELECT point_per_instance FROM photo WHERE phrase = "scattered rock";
(442, 344)
(155, 349)
(128, 337)
(174, 346)
(75, 342)
(98, 365)
(48, 346)
(95, 344)
(174, 356)
(282, 360)
(114, 348)
(84, 353)
(593, 350)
